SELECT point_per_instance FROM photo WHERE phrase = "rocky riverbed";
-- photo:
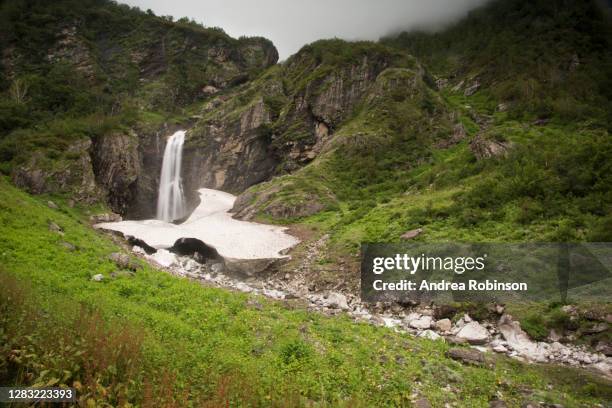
(502, 335)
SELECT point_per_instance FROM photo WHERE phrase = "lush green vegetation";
(78, 69)
(390, 171)
(155, 340)
(543, 58)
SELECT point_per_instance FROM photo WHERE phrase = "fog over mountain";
(290, 25)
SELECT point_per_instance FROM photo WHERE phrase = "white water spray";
(170, 201)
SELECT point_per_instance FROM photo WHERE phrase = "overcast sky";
(292, 23)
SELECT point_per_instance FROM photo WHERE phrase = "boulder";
(474, 333)
(421, 323)
(596, 328)
(336, 300)
(472, 88)
(520, 341)
(484, 148)
(443, 325)
(604, 348)
(123, 261)
(497, 404)
(500, 348)
(97, 278)
(193, 246)
(466, 355)
(52, 205)
(430, 334)
(53, 227)
(411, 234)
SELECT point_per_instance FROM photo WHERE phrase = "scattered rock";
(52, 205)
(443, 325)
(412, 233)
(53, 227)
(604, 348)
(500, 349)
(430, 334)
(466, 355)
(484, 148)
(337, 300)
(68, 246)
(455, 340)
(210, 90)
(420, 322)
(458, 135)
(106, 217)
(123, 261)
(191, 266)
(474, 333)
(596, 328)
(472, 89)
(97, 278)
(243, 287)
(520, 341)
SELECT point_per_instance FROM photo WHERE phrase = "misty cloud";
(291, 24)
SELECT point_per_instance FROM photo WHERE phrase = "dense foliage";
(543, 58)
(106, 66)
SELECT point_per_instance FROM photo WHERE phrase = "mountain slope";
(78, 76)
(152, 339)
(546, 59)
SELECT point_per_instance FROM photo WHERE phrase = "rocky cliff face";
(71, 173)
(283, 120)
(116, 166)
(131, 61)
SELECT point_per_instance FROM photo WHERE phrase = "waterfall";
(170, 201)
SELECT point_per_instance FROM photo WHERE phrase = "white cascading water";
(170, 201)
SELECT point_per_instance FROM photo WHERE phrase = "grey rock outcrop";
(484, 148)
(72, 174)
(116, 166)
(467, 355)
(474, 333)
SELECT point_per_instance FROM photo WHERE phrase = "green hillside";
(156, 340)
